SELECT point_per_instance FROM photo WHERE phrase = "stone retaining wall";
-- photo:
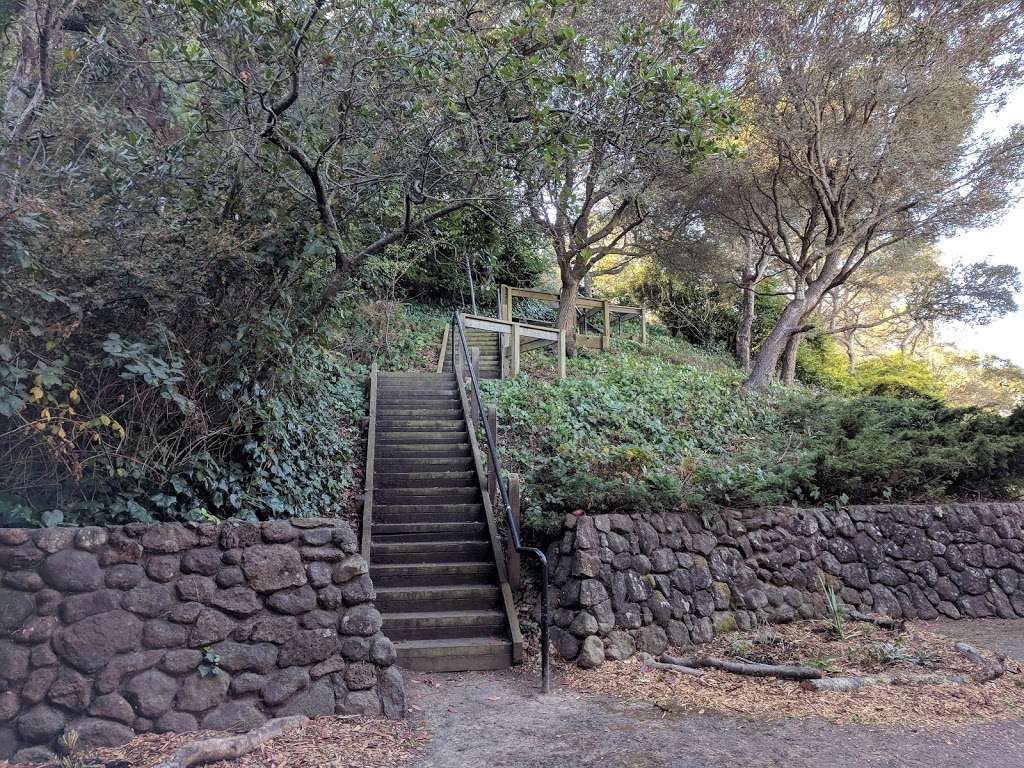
(115, 631)
(629, 582)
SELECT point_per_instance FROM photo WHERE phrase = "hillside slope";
(669, 425)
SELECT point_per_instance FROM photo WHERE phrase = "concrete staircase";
(434, 556)
(490, 359)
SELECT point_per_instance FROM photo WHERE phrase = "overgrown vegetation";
(671, 427)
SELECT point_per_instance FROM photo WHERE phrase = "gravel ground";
(498, 720)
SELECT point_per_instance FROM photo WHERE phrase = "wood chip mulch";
(325, 742)
(904, 707)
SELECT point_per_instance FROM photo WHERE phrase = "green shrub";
(669, 427)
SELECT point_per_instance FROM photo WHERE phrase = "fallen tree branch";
(885, 622)
(653, 663)
(990, 670)
(229, 747)
(784, 671)
(847, 684)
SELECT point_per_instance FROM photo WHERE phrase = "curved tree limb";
(230, 747)
(784, 671)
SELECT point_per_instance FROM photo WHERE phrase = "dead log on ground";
(230, 747)
(990, 670)
(783, 671)
(653, 663)
(853, 683)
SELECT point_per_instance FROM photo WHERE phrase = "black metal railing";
(459, 330)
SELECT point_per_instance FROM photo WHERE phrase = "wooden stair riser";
(411, 480)
(466, 598)
(432, 574)
(443, 626)
(429, 552)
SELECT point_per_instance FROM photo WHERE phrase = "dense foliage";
(639, 431)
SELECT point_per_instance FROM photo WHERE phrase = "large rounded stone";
(15, 607)
(124, 576)
(178, 662)
(365, 703)
(71, 691)
(391, 690)
(13, 662)
(93, 732)
(360, 675)
(89, 644)
(205, 561)
(149, 600)
(164, 634)
(272, 567)
(284, 684)
(293, 601)
(176, 722)
(382, 651)
(234, 716)
(168, 538)
(240, 657)
(591, 653)
(112, 676)
(308, 647)
(211, 627)
(151, 693)
(198, 694)
(113, 706)
(78, 607)
(72, 571)
(241, 601)
(40, 724)
(317, 700)
(361, 620)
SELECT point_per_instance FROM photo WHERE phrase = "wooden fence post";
(606, 341)
(561, 355)
(515, 349)
(643, 326)
(514, 499)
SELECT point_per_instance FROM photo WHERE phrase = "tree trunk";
(771, 350)
(746, 326)
(566, 319)
(851, 352)
(788, 364)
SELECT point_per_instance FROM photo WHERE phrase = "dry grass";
(326, 742)
(928, 707)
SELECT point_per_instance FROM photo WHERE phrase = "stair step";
(439, 625)
(390, 412)
(423, 438)
(414, 425)
(439, 479)
(413, 450)
(455, 655)
(464, 597)
(392, 464)
(430, 552)
(386, 575)
(397, 533)
(427, 496)
(419, 513)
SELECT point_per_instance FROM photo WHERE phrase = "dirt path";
(497, 720)
(1003, 635)
(482, 720)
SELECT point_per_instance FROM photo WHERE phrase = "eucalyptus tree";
(863, 132)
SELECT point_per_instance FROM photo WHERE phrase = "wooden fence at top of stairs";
(485, 338)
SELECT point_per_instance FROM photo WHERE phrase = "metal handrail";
(513, 529)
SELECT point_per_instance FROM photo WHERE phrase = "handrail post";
(492, 471)
(515, 577)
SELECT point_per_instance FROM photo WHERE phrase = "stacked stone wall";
(629, 582)
(115, 631)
